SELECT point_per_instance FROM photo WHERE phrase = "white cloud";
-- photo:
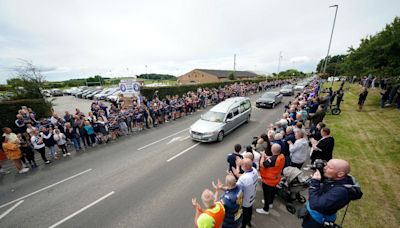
(83, 38)
(300, 59)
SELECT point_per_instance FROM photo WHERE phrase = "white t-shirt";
(35, 142)
(248, 182)
(59, 138)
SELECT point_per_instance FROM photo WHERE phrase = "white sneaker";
(69, 154)
(3, 171)
(261, 211)
(64, 155)
(270, 206)
(24, 170)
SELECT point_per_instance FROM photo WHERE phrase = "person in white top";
(256, 156)
(61, 141)
(38, 145)
(30, 128)
(298, 150)
(248, 183)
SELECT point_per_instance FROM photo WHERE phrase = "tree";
(334, 65)
(28, 81)
(232, 76)
(377, 54)
(157, 77)
(94, 80)
(291, 72)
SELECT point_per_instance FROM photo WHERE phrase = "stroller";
(290, 186)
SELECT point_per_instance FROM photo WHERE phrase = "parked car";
(269, 99)
(287, 90)
(114, 96)
(56, 92)
(103, 95)
(91, 95)
(221, 120)
(81, 92)
(69, 91)
(84, 94)
(46, 93)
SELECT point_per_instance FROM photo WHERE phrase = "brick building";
(206, 76)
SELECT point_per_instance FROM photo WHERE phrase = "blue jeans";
(383, 103)
(52, 150)
(76, 143)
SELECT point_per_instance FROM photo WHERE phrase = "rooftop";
(225, 73)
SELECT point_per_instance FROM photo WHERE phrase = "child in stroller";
(290, 186)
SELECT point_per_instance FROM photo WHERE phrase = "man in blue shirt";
(232, 200)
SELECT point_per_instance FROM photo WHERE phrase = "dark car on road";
(269, 100)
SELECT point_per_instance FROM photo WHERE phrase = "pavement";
(143, 180)
(69, 103)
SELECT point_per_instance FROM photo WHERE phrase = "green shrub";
(9, 109)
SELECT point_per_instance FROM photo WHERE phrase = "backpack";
(354, 189)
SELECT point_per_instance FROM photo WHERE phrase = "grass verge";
(370, 141)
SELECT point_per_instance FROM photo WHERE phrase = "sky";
(77, 39)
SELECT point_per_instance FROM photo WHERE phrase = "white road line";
(81, 210)
(42, 189)
(184, 138)
(183, 152)
(141, 148)
(9, 210)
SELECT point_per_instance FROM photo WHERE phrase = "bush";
(9, 109)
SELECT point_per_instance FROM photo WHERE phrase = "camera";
(319, 165)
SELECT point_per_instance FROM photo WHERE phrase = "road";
(136, 181)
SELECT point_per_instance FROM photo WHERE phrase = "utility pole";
(279, 62)
(330, 40)
(234, 63)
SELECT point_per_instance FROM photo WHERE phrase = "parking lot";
(69, 103)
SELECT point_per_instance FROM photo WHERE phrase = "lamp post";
(279, 61)
(330, 40)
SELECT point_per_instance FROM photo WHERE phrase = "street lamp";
(330, 40)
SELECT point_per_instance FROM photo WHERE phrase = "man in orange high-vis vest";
(270, 171)
(213, 215)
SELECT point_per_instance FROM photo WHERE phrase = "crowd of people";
(300, 134)
(103, 123)
(389, 91)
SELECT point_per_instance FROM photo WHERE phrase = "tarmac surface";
(143, 180)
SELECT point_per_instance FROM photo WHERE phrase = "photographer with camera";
(329, 195)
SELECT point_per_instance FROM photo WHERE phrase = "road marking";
(11, 209)
(141, 148)
(183, 152)
(42, 189)
(81, 210)
(184, 138)
(174, 139)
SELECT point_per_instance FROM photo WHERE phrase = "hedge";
(9, 109)
(182, 89)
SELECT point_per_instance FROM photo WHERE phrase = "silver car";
(269, 99)
(287, 90)
(221, 120)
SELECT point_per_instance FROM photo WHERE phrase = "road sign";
(129, 87)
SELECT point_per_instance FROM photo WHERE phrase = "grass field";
(370, 141)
